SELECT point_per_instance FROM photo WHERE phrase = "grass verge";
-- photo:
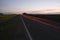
(4, 18)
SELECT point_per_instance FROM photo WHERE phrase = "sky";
(30, 5)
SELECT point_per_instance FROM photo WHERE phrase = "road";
(24, 27)
(42, 29)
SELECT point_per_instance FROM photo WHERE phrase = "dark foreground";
(15, 30)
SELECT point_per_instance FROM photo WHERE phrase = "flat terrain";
(4, 18)
(12, 28)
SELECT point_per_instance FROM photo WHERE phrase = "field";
(4, 18)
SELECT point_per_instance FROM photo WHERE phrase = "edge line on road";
(26, 29)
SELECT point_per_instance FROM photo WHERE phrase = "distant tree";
(24, 13)
(1, 13)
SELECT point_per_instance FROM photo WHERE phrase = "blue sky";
(28, 5)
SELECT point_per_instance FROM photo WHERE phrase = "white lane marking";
(26, 29)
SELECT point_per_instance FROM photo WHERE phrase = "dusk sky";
(29, 5)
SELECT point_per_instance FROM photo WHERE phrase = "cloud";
(46, 11)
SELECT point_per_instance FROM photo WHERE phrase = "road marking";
(26, 29)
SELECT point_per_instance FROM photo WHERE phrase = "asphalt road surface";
(42, 29)
(23, 27)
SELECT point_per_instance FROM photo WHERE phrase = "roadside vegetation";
(4, 18)
(5, 32)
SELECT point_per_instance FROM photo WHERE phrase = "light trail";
(35, 19)
(43, 19)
